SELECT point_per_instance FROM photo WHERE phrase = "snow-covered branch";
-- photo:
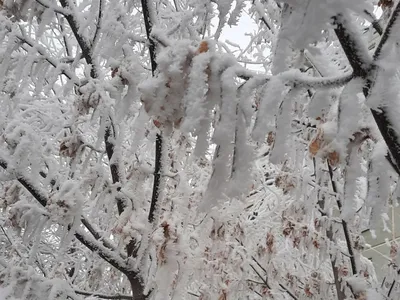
(103, 296)
(110, 255)
(83, 42)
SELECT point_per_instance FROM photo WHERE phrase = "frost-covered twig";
(50, 60)
(55, 8)
(98, 25)
(296, 78)
(95, 232)
(67, 46)
(103, 296)
(109, 140)
(374, 21)
(159, 139)
(260, 10)
(157, 177)
(356, 52)
(82, 41)
(148, 23)
(110, 256)
(28, 184)
(335, 270)
(300, 80)
(260, 276)
(94, 245)
(160, 38)
(388, 31)
(344, 224)
(264, 279)
(11, 242)
(113, 257)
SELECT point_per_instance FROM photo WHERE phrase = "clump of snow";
(65, 206)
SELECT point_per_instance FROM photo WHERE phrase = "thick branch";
(388, 31)
(368, 70)
(356, 53)
(110, 256)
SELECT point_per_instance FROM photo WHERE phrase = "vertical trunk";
(137, 287)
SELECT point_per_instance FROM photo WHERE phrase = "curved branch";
(102, 296)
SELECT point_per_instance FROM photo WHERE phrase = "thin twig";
(107, 254)
(157, 177)
(374, 22)
(98, 25)
(109, 139)
(159, 139)
(344, 224)
(82, 42)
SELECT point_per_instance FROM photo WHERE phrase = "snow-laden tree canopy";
(144, 156)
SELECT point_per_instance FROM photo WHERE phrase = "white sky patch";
(241, 35)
